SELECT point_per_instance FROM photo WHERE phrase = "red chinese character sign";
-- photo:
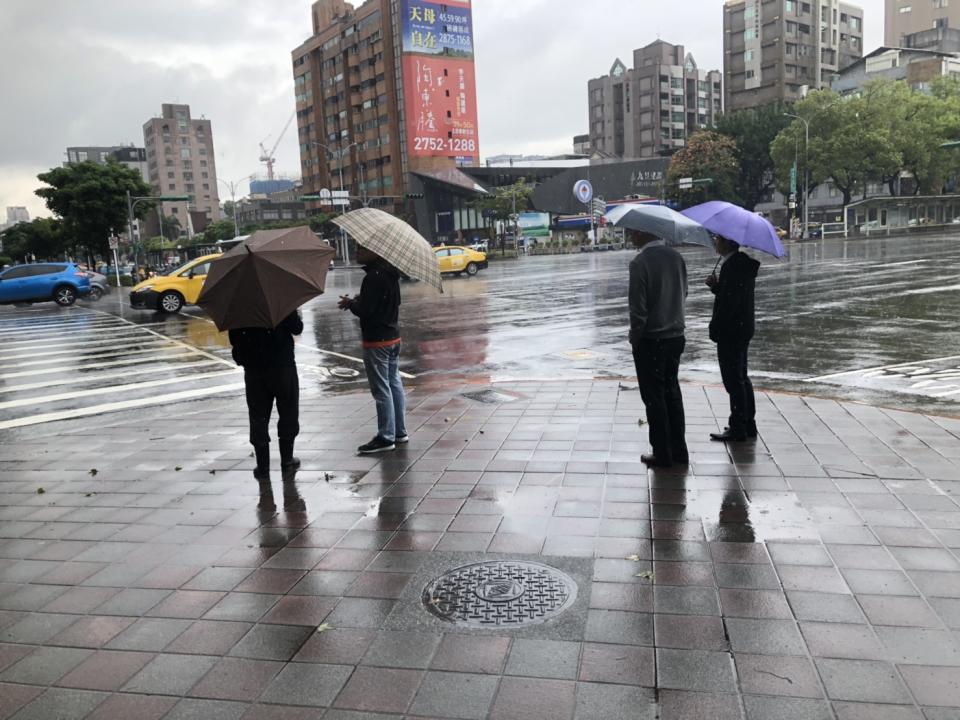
(439, 81)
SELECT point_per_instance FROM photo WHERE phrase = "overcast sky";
(92, 72)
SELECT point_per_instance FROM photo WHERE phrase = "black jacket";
(263, 348)
(733, 312)
(378, 305)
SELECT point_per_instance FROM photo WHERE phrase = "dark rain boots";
(262, 471)
(288, 463)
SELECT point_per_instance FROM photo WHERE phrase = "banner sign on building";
(439, 80)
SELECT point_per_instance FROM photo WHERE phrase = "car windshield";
(180, 269)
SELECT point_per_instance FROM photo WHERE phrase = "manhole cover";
(344, 372)
(500, 593)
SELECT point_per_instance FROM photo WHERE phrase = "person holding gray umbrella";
(657, 295)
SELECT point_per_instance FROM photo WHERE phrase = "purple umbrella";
(735, 223)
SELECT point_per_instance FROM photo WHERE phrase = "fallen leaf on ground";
(323, 627)
(40, 491)
(646, 575)
(93, 471)
(177, 468)
(634, 558)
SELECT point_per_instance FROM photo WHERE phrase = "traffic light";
(414, 196)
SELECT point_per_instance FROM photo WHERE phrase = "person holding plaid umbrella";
(386, 246)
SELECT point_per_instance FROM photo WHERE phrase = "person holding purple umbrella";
(731, 328)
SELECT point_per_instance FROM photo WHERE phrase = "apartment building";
(906, 17)
(180, 161)
(651, 109)
(776, 51)
(383, 90)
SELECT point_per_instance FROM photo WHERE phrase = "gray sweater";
(658, 291)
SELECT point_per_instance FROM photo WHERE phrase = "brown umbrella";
(264, 279)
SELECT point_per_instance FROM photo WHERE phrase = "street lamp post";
(133, 201)
(806, 173)
(340, 154)
(232, 187)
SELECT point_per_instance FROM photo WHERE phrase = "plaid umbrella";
(265, 278)
(395, 241)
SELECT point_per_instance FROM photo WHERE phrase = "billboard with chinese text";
(440, 96)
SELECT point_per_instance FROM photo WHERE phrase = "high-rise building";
(654, 107)
(384, 90)
(129, 155)
(906, 17)
(775, 51)
(17, 214)
(180, 161)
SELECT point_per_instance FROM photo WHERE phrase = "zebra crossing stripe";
(89, 379)
(117, 406)
(145, 347)
(74, 368)
(110, 389)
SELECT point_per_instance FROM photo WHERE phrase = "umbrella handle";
(717, 265)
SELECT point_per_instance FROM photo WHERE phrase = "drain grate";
(500, 593)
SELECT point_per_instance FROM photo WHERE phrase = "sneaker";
(261, 473)
(402, 439)
(292, 463)
(378, 444)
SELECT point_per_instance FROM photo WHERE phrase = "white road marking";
(345, 357)
(92, 379)
(113, 407)
(110, 389)
(148, 347)
(99, 339)
(6, 338)
(74, 368)
(881, 368)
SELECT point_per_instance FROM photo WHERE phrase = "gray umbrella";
(659, 220)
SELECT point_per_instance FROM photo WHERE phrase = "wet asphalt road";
(835, 308)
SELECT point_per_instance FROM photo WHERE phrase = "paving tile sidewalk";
(813, 574)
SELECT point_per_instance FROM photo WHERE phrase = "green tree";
(218, 230)
(707, 155)
(229, 207)
(753, 130)
(501, 202)
(91, 200)
(850, 143)
(171, 227)
(41, 237)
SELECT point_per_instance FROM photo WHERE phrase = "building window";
(750, 34)
(676, 83)
(751, 12)
(749, 74)
(906, 9)
(185, 153)
(748, 56)
(791, 6)
(82, 155)
(941, 3)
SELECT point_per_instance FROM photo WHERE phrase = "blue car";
(61, 283)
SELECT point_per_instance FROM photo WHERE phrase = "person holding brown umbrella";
(270, 375)
(253, 291)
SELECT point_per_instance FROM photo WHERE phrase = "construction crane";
(267, 157)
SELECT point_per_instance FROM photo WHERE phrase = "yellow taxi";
(458, 259)
(168, 293)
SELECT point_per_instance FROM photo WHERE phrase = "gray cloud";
(91, 73)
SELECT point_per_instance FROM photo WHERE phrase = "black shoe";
(654, 461)
(729, 435)
(291, 463)
(378, 444)
(752, 431)
(261, 473)
(402, 439)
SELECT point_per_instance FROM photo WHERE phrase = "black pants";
(263, 387)
(732, 356)
(658, 365)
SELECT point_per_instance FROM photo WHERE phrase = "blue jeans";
(383, 373)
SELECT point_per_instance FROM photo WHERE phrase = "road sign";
(685, 183)
(583, 191)
(793, 179)
(114, 242)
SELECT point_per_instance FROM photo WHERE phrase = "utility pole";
(806, 173)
